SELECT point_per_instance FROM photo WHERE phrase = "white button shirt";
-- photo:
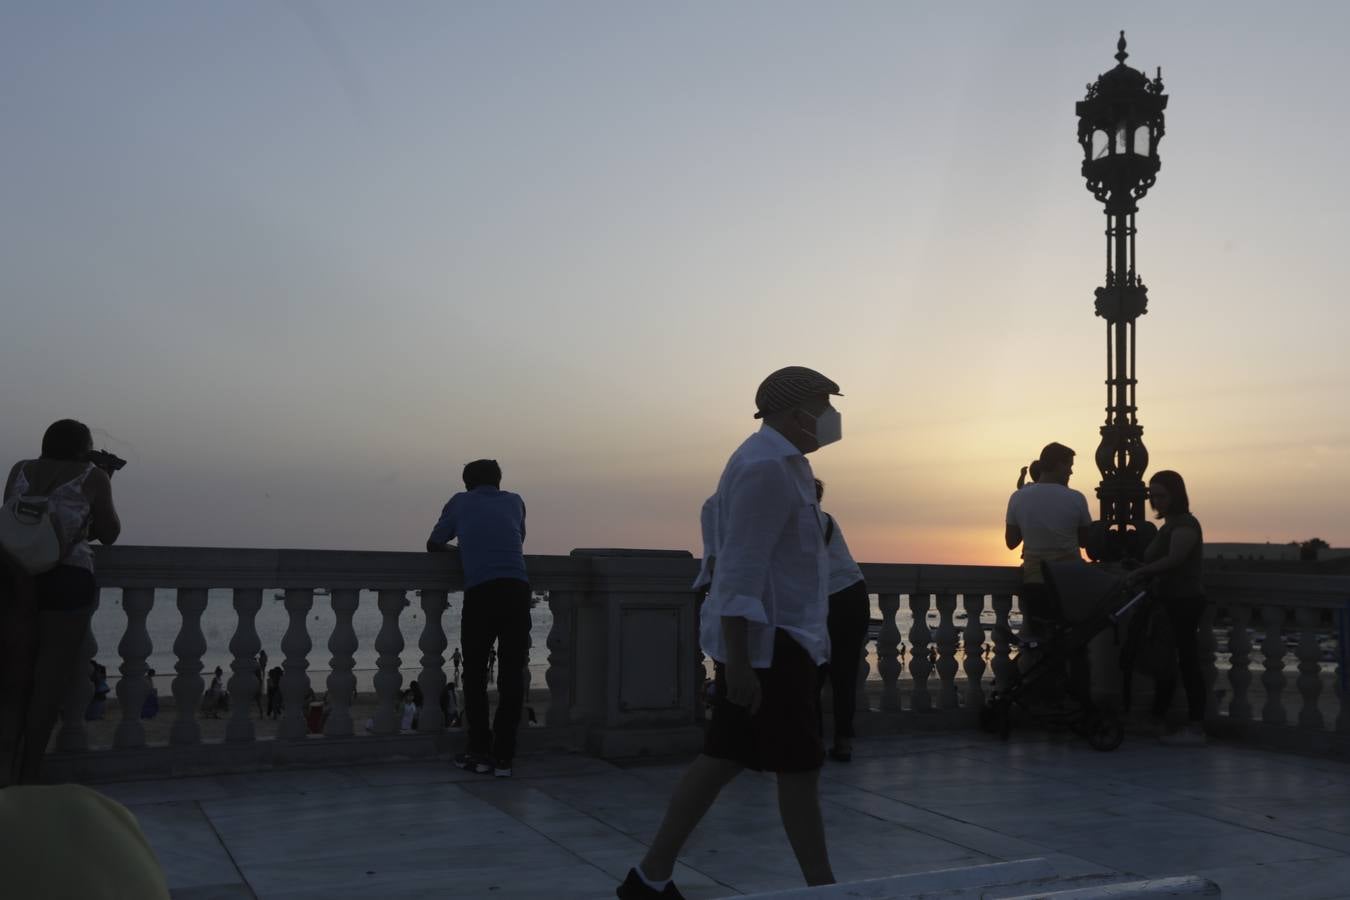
(772, 566)
(707, 523)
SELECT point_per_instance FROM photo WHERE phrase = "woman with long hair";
(1174, 561)
(45, 617)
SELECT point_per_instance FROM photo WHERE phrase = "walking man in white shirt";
(1050, 520)
(764, 625)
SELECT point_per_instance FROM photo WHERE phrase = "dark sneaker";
(470, 761)
(494, 765)
(634, 888)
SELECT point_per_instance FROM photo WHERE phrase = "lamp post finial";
(1121, 55)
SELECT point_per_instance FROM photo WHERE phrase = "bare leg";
(799, 804)
(698, 788)
(60, 636)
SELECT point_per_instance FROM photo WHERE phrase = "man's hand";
(743, 686)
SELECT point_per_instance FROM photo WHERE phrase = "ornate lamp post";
(1120, 123)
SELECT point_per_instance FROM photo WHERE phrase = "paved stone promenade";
(567, 826)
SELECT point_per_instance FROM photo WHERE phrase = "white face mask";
(829, 427)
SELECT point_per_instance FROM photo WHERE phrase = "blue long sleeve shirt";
(490, 526)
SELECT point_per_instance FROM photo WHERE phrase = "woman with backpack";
(47, 587)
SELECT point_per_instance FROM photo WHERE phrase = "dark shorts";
(784, 735)
(62, 589)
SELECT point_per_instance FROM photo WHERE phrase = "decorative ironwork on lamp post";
(1120, 123)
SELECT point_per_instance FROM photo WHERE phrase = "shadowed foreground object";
(67, 842)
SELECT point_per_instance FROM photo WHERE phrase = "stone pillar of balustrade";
(1272, 648)
(919, 665)
(295, 646)
(342, 644)
(432, 677)
(526, 678)
(188, 649)
(135, 649)
(1002, 662)
(974, 646)
(73, 736)
(389, 646)
(888, 652)
(861, 703)
(1207, 647)
(946, 641)
(1309, 683)
(1239, 668)
(559, 673)
(1342, 651)
(246, 683)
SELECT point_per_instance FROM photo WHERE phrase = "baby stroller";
(1065, 644)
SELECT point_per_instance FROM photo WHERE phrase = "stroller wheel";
(1105, 733)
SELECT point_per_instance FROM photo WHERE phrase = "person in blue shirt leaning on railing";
(489, 524)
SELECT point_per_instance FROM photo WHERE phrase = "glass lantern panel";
(1141, 140)
(1120, 139)
(1100, 145)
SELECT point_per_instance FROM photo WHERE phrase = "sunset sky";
(299, 261)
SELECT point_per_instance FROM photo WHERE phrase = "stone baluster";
(73, 736)
(1342, 695)
(388, 678)
(1309, 654)
(919, 665)
(295, 647)
(432, 678)
(559, 672)
(1273, 713)
(134, 649)
(888, 652)
(945, 639)
(246, 683)
(1002, 663)
(526, 678)
(188, 648)
(1239, 671)
(973, 640)
(1207, 647)
(861, 703)
(342, 644)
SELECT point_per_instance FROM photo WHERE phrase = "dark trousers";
(850, 612)
(1184, 614)
(496, 611)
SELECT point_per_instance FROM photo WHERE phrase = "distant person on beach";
(44, 617)
(1050, 521)
(275, 704)
(489, 524)
(1174, 561)
(764, 625)
(492, 665)
(409, 720)
(456, 660)
(449, 705)
(850, 613)
(1034, 469)
(216, 700)
(261, 674)
(98, 703)
(150, 705)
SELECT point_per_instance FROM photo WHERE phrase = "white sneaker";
(1188, 735)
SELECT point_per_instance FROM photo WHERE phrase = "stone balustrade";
(622, 646)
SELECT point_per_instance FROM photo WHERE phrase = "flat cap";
(788, 387)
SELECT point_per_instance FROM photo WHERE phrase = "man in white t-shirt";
(1050, 521)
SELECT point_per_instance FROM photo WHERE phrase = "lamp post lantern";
(1120, 123)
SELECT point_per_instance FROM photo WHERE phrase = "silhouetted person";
(1174, 560)
(456, 660)
(150, 705)
(261, 674)
(275, 703)
(850, 613)
(491, 665)
(489, 524)
(44, 617)
(1050, 521)
(764, 626)
(1034, 469)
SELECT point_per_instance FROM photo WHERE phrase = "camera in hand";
(108, 462)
